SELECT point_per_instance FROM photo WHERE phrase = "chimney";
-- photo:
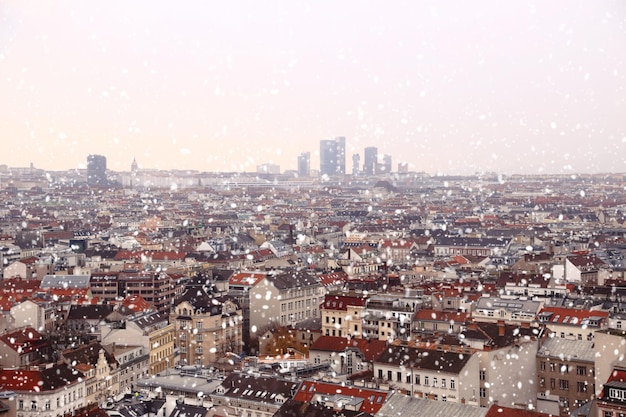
(501, 328)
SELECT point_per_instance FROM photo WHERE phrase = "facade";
(304, 164)
(345, 355)
(207, 327)
(96, 170)
(356, 161)
(254, 395)
(436, 375)
(342, 314)
(566, 376)
(57, 390)
(389, 316)
(157, 288)
(152, 331)
(370, 160)
(23, 347)
(100, 370)
(509, 311)
(572, 323)
(333, 156)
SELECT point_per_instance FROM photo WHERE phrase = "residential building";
(342, 314)
(260, 396)
(566, 377)
(152, 330)
(23, 348)
(346, 355)
(56, 390)
(100, 370)
(573, 323)
(432, 374)
(510, 311)
(207, 327)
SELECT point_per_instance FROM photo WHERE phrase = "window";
(552, 366)
(380, 374)
(20, 404)
(581, 370)
(552, 383)
(483, 392)
(563, 384)
(435, 382)
(399, 376)
(581, 387)
(408, 378)
(443, 382)
(542, 382)
(543, 366)
(482, 375)
(426, 381)
(198, 325)
(452, 384)
(417, 380)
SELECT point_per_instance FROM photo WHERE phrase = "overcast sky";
(446, 86)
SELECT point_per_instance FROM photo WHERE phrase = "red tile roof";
(500, 411)
(24, 340)
(570, 316)
(342, 302)
(246, 278)
(445, 316)
(371, 349)
(373, 399)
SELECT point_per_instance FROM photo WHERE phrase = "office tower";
(304, 164)
(356, 160)
(371, 159)
(96, 170)
(333, 156)
(387, 163)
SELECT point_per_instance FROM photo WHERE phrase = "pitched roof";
(24, 340)
(89, 312)
(371, 349)
(501, 411)
(247, 278)
(405, 405)
(372, 399)
(257, 389)
(293, 279)
(571, 316)
(418, 358)
(341, 302)
(53, 378)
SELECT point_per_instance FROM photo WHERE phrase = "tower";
(96, 170)
(333, 156)
(304, 164)
(370, 160)
(356, 161)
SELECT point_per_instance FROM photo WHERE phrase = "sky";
(450, 87)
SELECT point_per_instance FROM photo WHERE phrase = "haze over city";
(455, 87)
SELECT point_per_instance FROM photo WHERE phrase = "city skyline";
(454, 89)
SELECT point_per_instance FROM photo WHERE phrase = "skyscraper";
(304, 164)
(370, 160)
(386, 163)
(96, 170)
(356, 161)
(333, 156)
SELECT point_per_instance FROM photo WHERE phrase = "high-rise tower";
(370, 157)
(96, 170)
(333, 156)
(304, 164)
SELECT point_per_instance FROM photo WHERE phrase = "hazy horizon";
(453, 88)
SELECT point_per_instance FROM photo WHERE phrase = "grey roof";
(65, 281)
(491, 303)
(293, 279)
(151, 319)
(433, 360)
(185, 410)
(472, 242)
(404, 405)
(566, 349)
